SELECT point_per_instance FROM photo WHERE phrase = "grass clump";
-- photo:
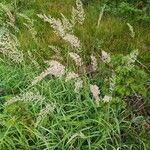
(82, 82)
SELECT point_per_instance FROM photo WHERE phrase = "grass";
(76, 122)
(113, 33)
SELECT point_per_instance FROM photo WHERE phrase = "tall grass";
(72, 89)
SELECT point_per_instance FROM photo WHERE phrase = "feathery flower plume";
(74, 16)
(78, 85)
(107, 98)
(77, 59)
(9, 46)
(57, 51)
(10, 16)
(105, 57)
(132, 33)
(56, 24)
(73, 40)
(96, 92)
(94, 63)
(55, 68)
(112, 82)
(132, 57)
(67, 24)
(78, 14)
(71, 76)
(63, 29)
(81, 14)
(44, 112)
(26, 97)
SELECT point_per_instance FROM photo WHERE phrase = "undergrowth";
(78, 81)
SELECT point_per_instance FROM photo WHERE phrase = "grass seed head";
(78, 85)
(107, 98)
(71, 76)
(95, 92)
(105, 57)
(94, 63)
(76, 58)
(55, 68)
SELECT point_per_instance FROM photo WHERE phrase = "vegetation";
(74, 75)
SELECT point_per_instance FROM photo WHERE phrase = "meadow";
(74, 75)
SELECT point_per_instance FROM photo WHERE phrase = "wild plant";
(9, 46)
(78, 14)
(96, 92)
(94, 63)
(71, 76)
(55, 68)
(10, 21)
(105, 57)
(78, 85)
(26, 97)
(89, 96)
(132, 33)
(76, 58)
(64, 28)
